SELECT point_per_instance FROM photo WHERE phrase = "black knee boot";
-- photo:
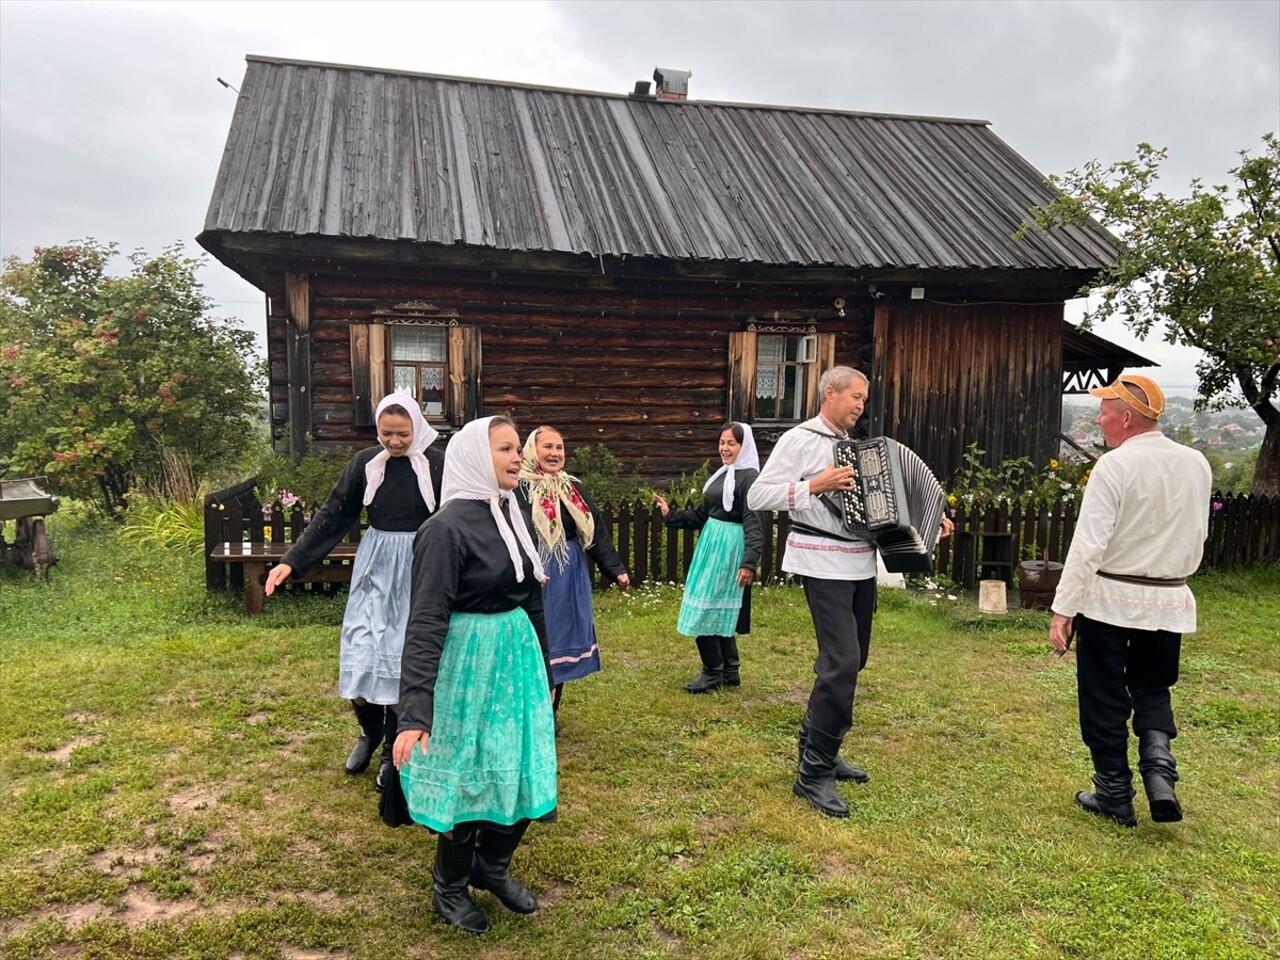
(449, 896)
(491, 869)
(387, 767)
(369, 716)
(816, 781)
(844, 769)
(1159, 773)
(729, 657)
(712, 675)
(1113, 790)
(557, 694)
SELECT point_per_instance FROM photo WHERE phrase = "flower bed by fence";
(990, 538)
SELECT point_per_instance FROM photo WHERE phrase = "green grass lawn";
(171, 786)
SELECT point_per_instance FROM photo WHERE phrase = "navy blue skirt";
(571, 629)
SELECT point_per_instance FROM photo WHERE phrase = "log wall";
(641, 366)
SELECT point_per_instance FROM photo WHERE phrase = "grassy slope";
(171, 787)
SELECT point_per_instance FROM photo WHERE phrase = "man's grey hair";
(839, 378)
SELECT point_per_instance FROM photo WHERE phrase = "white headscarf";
(375, 471)
(747, 457)
(469, 475)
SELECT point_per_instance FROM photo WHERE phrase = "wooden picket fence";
(989, 542)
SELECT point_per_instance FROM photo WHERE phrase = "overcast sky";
(112, 123)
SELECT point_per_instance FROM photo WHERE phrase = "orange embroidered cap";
(1120, 391)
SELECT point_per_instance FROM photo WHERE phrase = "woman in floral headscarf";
(566, 526)
(476, 749)
(717, 589)
(396, 483)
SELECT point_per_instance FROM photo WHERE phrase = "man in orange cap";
(1124, 595)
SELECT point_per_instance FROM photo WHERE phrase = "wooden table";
(258, 557)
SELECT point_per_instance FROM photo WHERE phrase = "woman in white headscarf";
(396, 483)
(476, 749)
(717, 588)
(567, 529)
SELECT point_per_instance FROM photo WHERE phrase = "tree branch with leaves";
(1205, 266)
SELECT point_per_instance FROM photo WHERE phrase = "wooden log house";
(635, 269)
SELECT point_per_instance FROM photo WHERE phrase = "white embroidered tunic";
(803, 452)
(1145, 513)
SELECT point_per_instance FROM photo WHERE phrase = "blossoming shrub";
(1019, 481)
(297, 485)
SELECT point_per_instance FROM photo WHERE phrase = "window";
(774, 371)
(438, 363)
(420, 366)
(783, 366)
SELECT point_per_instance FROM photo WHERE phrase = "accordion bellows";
(896, 502)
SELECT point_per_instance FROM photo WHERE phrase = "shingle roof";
(336, 151)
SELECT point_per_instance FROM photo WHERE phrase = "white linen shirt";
(783, 484)
(1145, 513)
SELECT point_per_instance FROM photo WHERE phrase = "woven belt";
(1144, 581)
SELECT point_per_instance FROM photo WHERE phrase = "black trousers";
(841, 611)
(1121, 671)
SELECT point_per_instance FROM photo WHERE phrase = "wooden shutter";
(297, 287)
(826, 359)
(368, 370)
(466, 381)
(742, 376)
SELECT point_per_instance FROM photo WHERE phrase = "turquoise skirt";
(712, 597)
(491, 756)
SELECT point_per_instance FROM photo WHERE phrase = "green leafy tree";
(103, 375)
(1207, 265)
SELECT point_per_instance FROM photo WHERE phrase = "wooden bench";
(257, 558)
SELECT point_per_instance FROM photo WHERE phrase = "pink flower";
(1217, 505)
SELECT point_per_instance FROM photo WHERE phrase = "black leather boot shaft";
(712, 675)
(1159, 772)
(816, 781)
(491, 869)
(387, 767)
(1113, 790)
(369, 716)
(729, 656)
(450, 873)
(844, 769)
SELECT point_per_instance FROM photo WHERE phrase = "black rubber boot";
(712, 675)
(491, 869)
(1113, 790)
(1159, 773)
(729, 657)
(449, 896)
(816, 781)
(387, 766)
(369, 716)
(844, 769)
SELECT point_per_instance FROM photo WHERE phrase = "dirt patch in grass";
(64, 752)
(142, 907)
(303, 953)
(192, 799)
(552, 894)
(127, 863)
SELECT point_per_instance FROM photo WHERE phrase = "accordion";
(896, 502)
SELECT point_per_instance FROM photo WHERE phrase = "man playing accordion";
(838, 572)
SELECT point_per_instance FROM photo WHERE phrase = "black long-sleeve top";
(396, 507)
(712, 507)
(460, 565)
(602, 551)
